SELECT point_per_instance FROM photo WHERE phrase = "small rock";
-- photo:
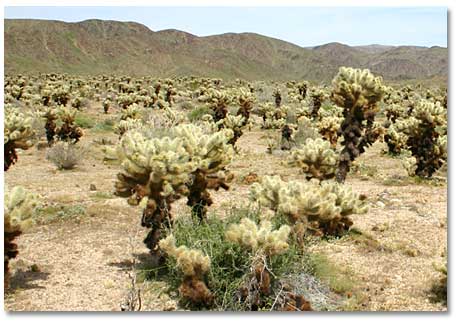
(92, 187)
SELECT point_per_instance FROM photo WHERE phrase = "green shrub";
(84, 121)
(198, 112)
(230, 263)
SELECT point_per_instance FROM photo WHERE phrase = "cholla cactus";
(125, 125)
(106, 105)
(246, 102)
(358, 92)
(18, 135)
(316, 158)
(317, 95)
(302, 87)
(133, 111)
(277, 95)
(194, 265)
(124, 100)
(68, 131)
(210, 155)
(329, 127)
(170, 92)
(61, 95)
(426, 136)
(323, 208)
(395, 111)
(186, 162)
(409, 162)
(263, 242)
(235, 123)
(18, 208)
(218, 102)
(155, 168)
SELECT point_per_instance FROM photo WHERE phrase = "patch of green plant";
(198, 112)
(230, 264)
(84, 121)
(49, 214)
(338, 279)
(105, 126)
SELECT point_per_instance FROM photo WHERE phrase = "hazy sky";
(304, 26)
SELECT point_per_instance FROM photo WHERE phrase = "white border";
(276, 318)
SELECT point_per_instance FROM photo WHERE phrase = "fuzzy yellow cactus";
(210, 154)
(426, 136)
(133, 111)
(323, 208)
(246, 102)
(18, 134)
(263, 242)
(235, 123)
(316, 158)
(18, 209)
(156, 168)
(191, 262)
(184, 162)
(125, 125)
(329, 128)
(358, 93)
(194, 265)
(259, 239)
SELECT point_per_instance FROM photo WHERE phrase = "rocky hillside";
(97, 46)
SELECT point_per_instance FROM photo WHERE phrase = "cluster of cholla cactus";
(218, 102)
(316, 158)
(130, 119)
(235, 123)
(302, 87)
(424, 135)
(358, 92)
(169, 95)
(65, 129)
(194, 265)
(323, 208)
(273, 117)
(162, 170)
(18, 135)
(246, 102)
(18, 208)
(263, 242)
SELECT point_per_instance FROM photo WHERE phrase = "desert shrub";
(198, 112)
(65, 156)
(84, 121)
(105, 126)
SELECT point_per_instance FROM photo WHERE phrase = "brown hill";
(98, 46)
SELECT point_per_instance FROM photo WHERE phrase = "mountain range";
(113, 47)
